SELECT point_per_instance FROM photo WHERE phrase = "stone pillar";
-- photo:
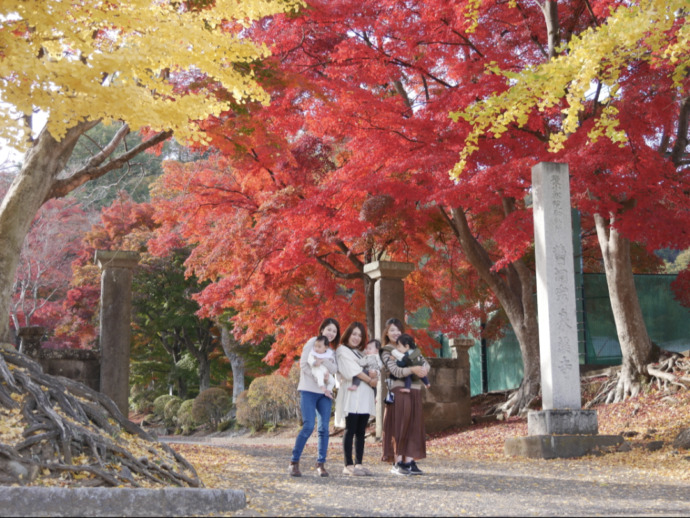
(389, 302)
(562, 428)
(553, 245)
(558, 344)
(115, 326)
(30, 340)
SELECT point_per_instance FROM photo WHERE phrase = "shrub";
(211, 406)
(159, 405)
(269, 400)
(141, 399)
(170, 411)
(185, 418)
(246, 415)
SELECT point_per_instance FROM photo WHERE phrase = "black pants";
(355, 428)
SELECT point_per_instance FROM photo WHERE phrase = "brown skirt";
(403, 426)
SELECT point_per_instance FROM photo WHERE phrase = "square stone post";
(115, 323)
(562, 428)
(389, 302)
(558, 346)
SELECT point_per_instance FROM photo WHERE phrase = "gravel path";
(449, 487)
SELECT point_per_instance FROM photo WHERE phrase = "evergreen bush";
(159, 406)
(211, 406)
(170, 411)
(185, 418)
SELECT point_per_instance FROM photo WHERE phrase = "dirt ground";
(465, 473)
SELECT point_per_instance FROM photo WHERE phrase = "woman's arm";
(370, 380)
(391, 364)
(421, 370)
(304, 359)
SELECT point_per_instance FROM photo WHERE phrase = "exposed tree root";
(72, 431)
(670, 373)
(518, 402)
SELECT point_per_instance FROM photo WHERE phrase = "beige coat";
(360, 401)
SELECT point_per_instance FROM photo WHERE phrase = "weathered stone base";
(558, 446)
(54, 501)
(562, 422)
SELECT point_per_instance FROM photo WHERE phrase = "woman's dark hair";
(406, 339)
(348, 332)
(325, 324)
(391, 322)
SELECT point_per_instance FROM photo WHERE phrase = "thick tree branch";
(341, 275)
(63, 187)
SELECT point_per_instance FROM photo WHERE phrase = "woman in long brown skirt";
(404, 435)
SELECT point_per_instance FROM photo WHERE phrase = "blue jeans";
(312, 403)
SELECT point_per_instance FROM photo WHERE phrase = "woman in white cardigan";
(353, 407)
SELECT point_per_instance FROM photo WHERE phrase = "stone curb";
(101, 501)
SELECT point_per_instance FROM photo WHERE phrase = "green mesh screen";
(668, 325)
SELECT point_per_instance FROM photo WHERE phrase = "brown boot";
(321, 469)
(294, 471)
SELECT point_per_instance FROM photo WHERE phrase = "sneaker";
(389, 398)
(400, 469)
(414, 469)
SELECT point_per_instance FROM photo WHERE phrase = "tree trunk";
(236, 362)
(369, 308)
(636, 346)
(29, 190)
(514, 287)
(204, 373)
(201, 353)
(38, 181)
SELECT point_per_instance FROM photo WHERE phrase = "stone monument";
(561, 428)
(115, 325)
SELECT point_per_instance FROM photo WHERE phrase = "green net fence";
(668, 325)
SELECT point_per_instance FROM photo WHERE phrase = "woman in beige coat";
(353, 407)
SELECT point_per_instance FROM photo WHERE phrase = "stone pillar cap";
(461, 342)
(388, 269)
(116, 259)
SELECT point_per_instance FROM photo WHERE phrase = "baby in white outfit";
(321, 351)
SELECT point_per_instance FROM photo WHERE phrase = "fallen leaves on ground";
(649, 417)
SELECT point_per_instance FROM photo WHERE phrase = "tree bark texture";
(514, 287)
(236, 362)
(39, 180)
(29, 190)
(636, 346)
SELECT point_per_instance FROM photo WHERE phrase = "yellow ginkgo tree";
(158, 65)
